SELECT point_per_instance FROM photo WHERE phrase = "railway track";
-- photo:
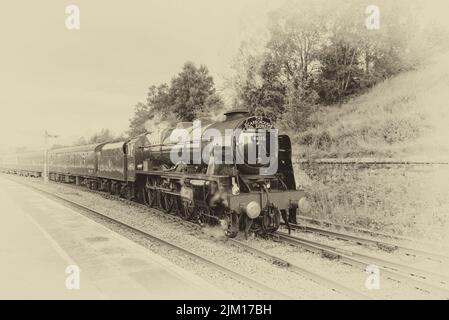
(382, 244)
(234, 274)
(333, 285)
(378, 234)
(421, 279)
(310, 275)
(324, 281)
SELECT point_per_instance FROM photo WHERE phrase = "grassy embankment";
(403, 118)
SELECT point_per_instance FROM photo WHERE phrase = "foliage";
(402, 117)
(191, 94)
(104, 135)
(137, 123)
(320, 52)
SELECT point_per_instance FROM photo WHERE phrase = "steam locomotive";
(236, 173)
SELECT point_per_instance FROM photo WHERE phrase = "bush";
(323, 141)
(400, 130)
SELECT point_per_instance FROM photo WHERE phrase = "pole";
(46, 159)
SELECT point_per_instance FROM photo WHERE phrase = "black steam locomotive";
(236, 173)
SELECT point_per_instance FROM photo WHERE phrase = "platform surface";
(40, 238)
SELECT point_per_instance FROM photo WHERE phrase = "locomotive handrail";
(180, 175)
(174, 143)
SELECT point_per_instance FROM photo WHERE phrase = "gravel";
(204, 242)
(210, 243)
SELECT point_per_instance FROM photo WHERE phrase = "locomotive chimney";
(236, 114)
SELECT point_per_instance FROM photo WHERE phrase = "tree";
(192, 91)
(267, 98)
(321, 52)
(296, 33)
(142, 113)
(191, 94)
(280, 79)
(340, 71)
(159, 100)
(103, 136)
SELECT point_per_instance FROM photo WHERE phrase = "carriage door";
(130, 162)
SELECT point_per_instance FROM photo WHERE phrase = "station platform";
(40, 238)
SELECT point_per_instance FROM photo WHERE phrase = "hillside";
(404, 117)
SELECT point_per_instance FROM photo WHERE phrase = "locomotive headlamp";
(304, 206)
(253, 209)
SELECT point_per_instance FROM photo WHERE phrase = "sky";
(73, 83)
